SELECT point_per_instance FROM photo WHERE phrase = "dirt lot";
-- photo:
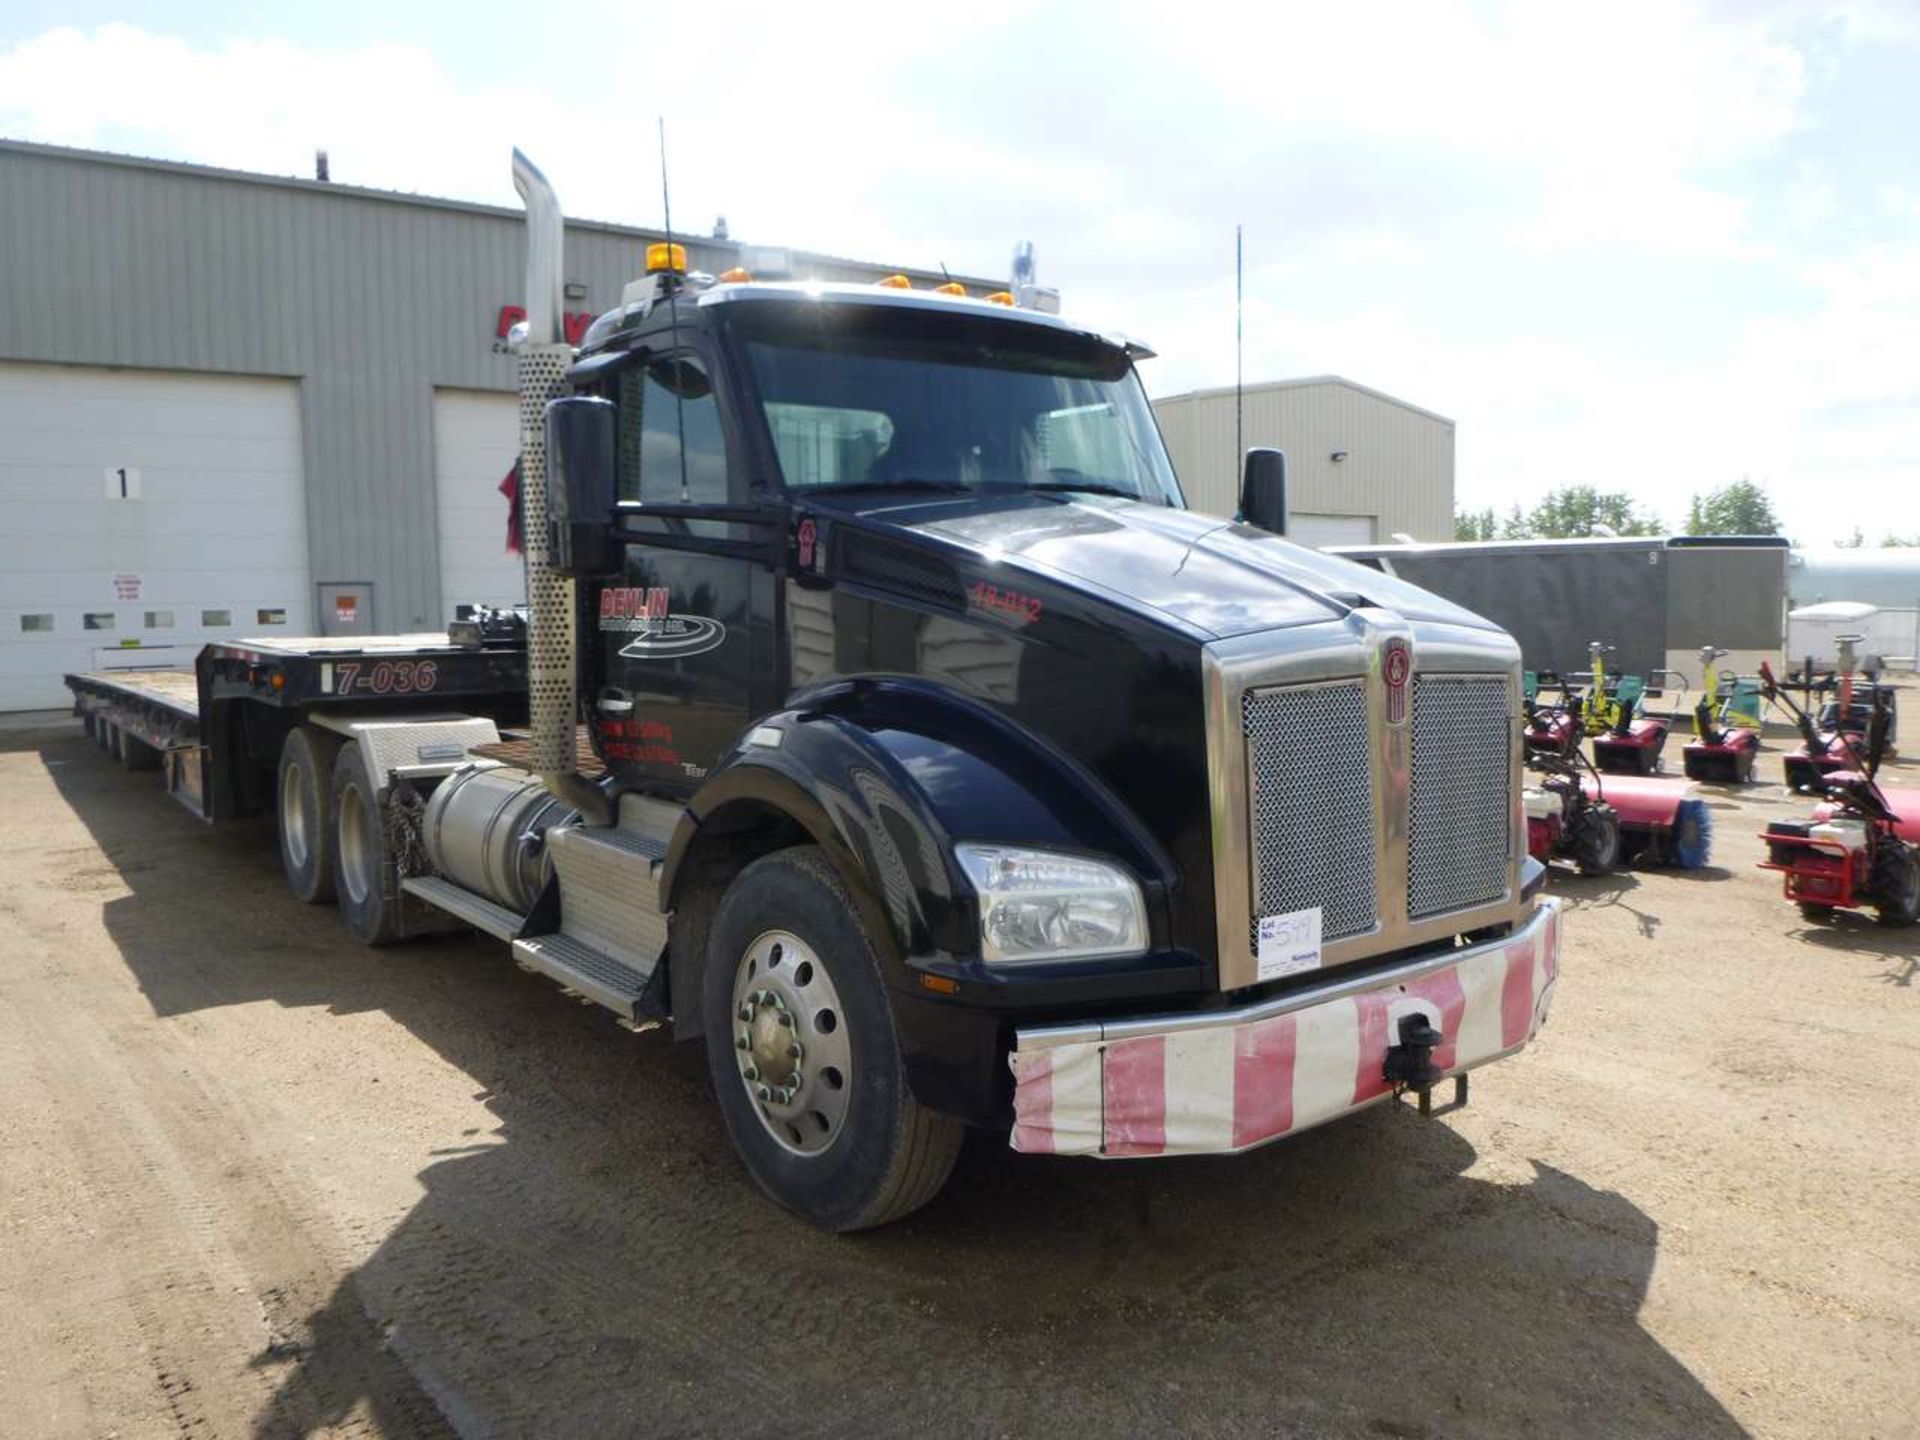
(259, 1181)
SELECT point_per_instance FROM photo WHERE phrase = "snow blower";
(1726, 726)
(1552, 729)
(1626, 740)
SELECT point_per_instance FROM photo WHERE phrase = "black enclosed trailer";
(1658, 600)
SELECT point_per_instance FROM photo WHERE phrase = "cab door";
(672, 663)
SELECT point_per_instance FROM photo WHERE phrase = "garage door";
(145, 513)
(1321, 531)
(476, 435)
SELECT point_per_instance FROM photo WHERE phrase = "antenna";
(673, 315)
(1239, 350)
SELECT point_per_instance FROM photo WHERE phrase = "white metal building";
(1361, 465)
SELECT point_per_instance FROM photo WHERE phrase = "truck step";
(463, 904)
(609, 892)
(585, 971)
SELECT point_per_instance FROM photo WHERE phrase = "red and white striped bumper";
(1229, 1080)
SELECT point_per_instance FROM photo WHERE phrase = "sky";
(1648, 247)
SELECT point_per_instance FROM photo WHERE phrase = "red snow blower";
(1851, 854)
(1841, 729)
(1726, 727)
(1626, 740)
(1551, 729)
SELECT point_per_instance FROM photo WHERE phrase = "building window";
(159, 619)
(270, 617)
(97, 620)
(670, 435)
(216, 619)
(36, 624)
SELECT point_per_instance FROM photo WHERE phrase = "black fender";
(885, 776)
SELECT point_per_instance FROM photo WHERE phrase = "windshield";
(960, 404)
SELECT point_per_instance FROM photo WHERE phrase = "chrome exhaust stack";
(543, 358)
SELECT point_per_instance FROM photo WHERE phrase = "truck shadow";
(600, 1265)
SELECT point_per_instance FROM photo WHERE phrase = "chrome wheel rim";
(293, 813)
(790, 1043)
(355, 862)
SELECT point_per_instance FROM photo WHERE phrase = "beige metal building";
(1361, 466)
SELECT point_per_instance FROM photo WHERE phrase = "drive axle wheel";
(304, 805)
(804, 1056)
(368, 904)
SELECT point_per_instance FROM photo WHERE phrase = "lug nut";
(793, 1052)
(785, 1019)
(752, 1071)
(746, 1012)
(765, 1093)
(741, 1043)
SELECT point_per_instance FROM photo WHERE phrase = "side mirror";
(1263, 490)
(580, 487)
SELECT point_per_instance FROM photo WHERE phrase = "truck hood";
(1207, 574)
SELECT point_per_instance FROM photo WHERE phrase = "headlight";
(1040, 905)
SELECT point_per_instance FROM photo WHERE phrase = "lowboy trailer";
(882, 718)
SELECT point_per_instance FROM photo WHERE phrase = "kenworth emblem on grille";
(1396, 661)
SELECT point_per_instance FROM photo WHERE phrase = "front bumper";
(1222, 1081)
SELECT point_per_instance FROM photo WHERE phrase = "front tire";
(361, 870)
(831, 1132)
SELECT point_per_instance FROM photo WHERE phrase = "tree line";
(1580, 511)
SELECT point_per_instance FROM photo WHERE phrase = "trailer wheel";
(303, 803)
(803, 1053)
(1896, 883)
(361, 870)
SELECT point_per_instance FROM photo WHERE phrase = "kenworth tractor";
(883, 719)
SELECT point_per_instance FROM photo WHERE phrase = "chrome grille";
(1312, 819)
(1460, 814)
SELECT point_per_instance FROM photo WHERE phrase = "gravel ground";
(260, 1181)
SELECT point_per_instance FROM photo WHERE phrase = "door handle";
(613, 705)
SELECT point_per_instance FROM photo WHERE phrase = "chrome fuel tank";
(485, 829)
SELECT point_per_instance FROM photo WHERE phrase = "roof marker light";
(662, 256)
(1000, 297)
(736, 276)
(895, 282)
(952, 287)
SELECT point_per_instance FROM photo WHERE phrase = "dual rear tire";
(333, 844)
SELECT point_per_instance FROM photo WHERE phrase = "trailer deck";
(213, 730)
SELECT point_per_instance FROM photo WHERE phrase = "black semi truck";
(881, 717)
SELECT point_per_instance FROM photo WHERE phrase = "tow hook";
(1409, 1065)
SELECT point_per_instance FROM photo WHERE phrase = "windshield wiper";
(1087, 487)
(856, 487)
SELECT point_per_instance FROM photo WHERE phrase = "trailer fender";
(886, 777)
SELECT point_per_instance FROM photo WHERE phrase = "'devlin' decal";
(658, 634)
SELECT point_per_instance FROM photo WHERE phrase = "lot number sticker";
(1288, 944)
